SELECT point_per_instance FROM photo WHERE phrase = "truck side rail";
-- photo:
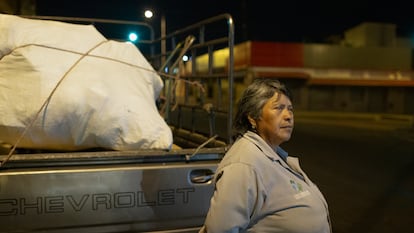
(198, 96)
(204, 104)
(105, 26)
(202, 107)
(89, 158)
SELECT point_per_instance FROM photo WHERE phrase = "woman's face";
(275, 125)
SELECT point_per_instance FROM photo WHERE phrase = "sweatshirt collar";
(263, 146)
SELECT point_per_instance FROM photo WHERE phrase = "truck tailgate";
(132, 193)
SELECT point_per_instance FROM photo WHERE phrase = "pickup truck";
(139, 190)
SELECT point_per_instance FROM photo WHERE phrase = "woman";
(259, 188)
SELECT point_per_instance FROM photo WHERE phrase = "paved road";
(364, 168)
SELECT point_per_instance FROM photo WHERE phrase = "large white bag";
(106, 98)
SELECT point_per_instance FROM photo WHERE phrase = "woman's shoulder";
(243, 151)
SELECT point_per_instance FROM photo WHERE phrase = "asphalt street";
(364, 166)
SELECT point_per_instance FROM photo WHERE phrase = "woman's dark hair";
(253, 100)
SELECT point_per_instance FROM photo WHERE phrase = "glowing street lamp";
(133, 37)
(148, 14)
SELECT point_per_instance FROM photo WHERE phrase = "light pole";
(163, 31)
(163, 39)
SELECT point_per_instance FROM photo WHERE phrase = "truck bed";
(131, 191)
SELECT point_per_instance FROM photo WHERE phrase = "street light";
(149, 14)
(133, 37)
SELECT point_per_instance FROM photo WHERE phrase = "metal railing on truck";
(202, 44)
(113, 29)
(198, 96)
(197, 99)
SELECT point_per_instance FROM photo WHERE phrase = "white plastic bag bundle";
(106, 97)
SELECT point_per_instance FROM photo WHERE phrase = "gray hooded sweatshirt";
(262, 190)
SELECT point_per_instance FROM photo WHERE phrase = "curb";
(398, 120)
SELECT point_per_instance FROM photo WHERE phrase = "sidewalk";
(401, 125)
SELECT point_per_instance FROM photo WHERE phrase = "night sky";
(289, 20)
